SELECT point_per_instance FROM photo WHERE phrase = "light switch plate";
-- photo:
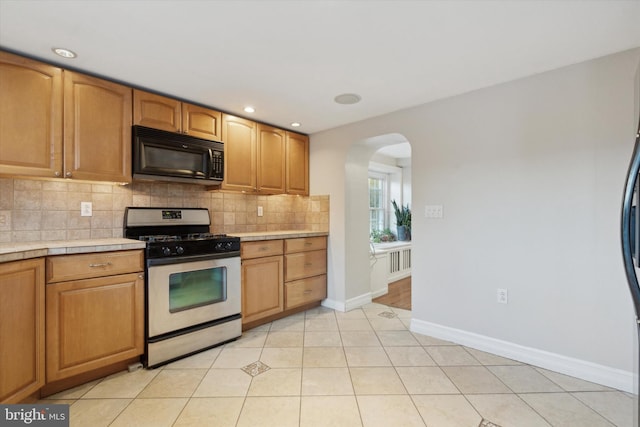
(260, 211)
(433, 211)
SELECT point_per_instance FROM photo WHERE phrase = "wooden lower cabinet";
(93, 323)
(94, 311)
(280, 277)
(262, 287)
(22, 329)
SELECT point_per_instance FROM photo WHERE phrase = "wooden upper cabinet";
(30, 117)
(240, 154)
(161, 112)
(97, 131)
(201, 122)
(271, 160)
(156, 111)
(297, 164)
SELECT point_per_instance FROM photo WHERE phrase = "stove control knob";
(229, 245)
(219, 246)
(180, 250)
(166, 251)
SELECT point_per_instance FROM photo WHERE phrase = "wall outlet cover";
(86, 209)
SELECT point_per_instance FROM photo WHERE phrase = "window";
(378, 193)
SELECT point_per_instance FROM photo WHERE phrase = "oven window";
(190, 289)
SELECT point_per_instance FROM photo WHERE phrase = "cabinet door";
(271, 165)
(31, 117)
(21, 329)
(93, 323)
(201, 122)
(97, 132)
(262, 288)
(297, 164)
(239, 137)
(156, 111)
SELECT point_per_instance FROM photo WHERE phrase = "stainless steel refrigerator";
(630, 233)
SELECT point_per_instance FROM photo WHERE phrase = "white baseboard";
(588, 371)
(330, 303)
(379, 292)
(358, 301)
(350, 304)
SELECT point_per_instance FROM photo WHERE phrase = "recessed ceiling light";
(249, 109)
(65, 53)
(347, 98)
(295, 124)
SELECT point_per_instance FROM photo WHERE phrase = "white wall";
(530, 174)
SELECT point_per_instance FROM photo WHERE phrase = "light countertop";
(19, 250)
(270, 235)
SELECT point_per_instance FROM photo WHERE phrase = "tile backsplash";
(32, 210)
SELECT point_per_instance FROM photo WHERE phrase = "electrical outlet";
(260, 211)
(502, 296)
(86, 209)
(3, 219)
(433, 211)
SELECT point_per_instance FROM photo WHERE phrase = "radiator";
(399, 264)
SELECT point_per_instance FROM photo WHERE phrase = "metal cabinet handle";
(57, 173)
(68, 174)
(308, 243)
(308, 264)
(102, 264)
(307, 292)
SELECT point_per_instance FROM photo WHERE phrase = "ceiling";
(289, 59)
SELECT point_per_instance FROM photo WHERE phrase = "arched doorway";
(357, 260)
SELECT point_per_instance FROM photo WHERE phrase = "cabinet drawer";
(304, 244)
(305, 264)
(260, 249)
(305, 291)
(83, 266)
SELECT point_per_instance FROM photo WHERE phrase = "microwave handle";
(210, 163)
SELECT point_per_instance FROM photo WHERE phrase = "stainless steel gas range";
(192, 282)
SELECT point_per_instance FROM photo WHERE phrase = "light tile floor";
(360, 368)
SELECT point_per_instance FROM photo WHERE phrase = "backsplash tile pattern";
(32, 210)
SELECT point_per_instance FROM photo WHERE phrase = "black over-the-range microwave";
(169, 156)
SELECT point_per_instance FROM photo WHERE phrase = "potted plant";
(381, 236)
(403, 221)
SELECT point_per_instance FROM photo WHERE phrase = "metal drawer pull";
(102, 264)
(308, 264)
(308, 243)
(263, 248)
(307, 292)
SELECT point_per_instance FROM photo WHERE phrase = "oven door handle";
(191, 258)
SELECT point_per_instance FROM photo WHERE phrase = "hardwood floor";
(399, 294)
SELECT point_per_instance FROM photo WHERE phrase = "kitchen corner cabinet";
(305, 270)
(240, 154)
(262, 279)
(31, 117)
(97, 129)
(297, 164)
(161, 112)
(271, 160)
(94, 311)
(22, 329)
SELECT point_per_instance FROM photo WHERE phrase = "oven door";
(186, 294)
